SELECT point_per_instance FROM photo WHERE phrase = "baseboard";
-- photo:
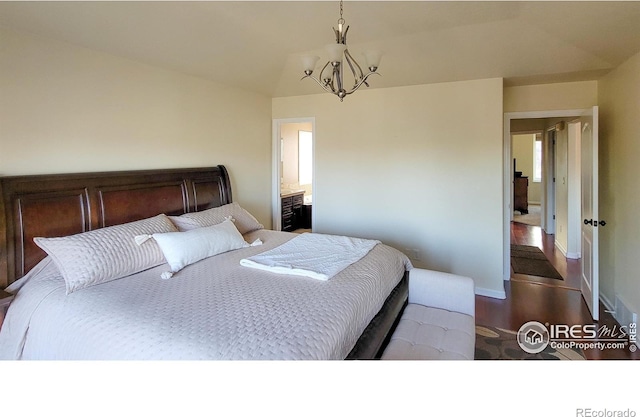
(626, 316)
(608, 305)
(623, 315)
(565, 252)
(485, 292)
(562, 250)
(623, 312)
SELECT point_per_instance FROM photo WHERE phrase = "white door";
(589, 206)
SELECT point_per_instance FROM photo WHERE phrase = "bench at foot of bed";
(438, 322)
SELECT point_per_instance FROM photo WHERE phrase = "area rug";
(530, 260)
(532, 218)
(493, 343)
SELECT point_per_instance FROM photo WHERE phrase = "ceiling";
(256, 45)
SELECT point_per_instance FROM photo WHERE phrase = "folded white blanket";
(312, 255)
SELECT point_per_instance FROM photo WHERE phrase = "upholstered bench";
(438, 322)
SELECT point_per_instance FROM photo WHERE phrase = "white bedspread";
(312, 255)
(214, 309)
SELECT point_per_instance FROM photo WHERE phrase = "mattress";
(214, 309)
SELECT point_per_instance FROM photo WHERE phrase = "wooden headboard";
(66, 204)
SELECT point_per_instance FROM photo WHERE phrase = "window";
(537, 161)
(305, 157)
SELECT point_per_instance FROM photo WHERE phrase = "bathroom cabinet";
(292, 216)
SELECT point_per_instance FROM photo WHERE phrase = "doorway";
(293, 174)
(563, 191)
(532, 186)
(553, 124)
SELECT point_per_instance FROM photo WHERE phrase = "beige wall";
(528, 125)
(619, 97)
(560, 96)
(70, 109)
(417, 167)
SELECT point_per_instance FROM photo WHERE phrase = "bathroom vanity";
(292, 213)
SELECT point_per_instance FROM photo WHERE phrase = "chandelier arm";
(357, 75)
(332, 91)
(363, 81)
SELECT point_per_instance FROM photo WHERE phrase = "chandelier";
(332, 75)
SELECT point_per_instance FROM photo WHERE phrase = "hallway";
(522, 234)
(545, 300)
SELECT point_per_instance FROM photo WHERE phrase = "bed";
(210, 309)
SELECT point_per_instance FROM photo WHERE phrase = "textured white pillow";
(105, 254)
(244, 221)
(184, 248)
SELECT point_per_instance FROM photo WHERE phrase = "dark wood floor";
(545, 300)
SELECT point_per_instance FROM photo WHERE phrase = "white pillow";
(105, 254)
(244, 221)
(184, 248)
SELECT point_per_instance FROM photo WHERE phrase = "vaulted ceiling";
(256, 45)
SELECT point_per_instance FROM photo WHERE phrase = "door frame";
(507, 181)
(548, 218)
(276, 202)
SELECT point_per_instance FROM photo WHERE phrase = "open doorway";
(543, 149)
(535, 256)
(575, 182)
(293, 174)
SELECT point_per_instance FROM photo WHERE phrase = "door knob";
(595, 223)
